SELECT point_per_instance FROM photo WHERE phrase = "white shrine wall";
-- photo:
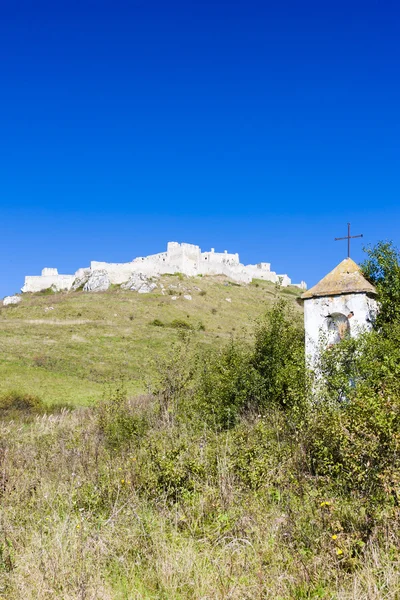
(357, 311)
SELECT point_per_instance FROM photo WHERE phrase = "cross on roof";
(348, 237)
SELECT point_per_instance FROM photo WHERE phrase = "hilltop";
(66, 346)
(184, 258)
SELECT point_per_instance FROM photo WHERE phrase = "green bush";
(156, 323)
(278, 357)
(259, 449)
(118, 420)
(173, 378)
(226, 381)
(180, 324)
(240, 376)
(353, 436)
(382, 269)
(47, 292)
(16, 401)
(356, 446)
(173, 470)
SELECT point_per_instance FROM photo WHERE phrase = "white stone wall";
(117, 272)
(48, 279)
(183, 258)
(356, 311)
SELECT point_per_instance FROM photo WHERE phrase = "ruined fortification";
(182, 258)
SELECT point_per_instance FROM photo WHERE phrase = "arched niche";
(338, 327)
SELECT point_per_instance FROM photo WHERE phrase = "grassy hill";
(238, 479)
(65, 347)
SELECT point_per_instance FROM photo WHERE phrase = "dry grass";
(79, 521)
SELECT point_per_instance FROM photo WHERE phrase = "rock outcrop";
(82, 276)
(99, 281)
(11, 300)
(139, 283)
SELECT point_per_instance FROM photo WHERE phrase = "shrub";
(174, 375)
(47, 292)
(225, 384)
(180, 324)
(259, 448)
(156, 323)
(356, 445)
(173, 469)
(118, 421)
(20, 401)
(354, 428)
(278, 357)
(239, 377)
(382, 269)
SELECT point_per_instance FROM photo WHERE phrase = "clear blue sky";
(256, 127)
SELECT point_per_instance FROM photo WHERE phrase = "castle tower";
(342, 304)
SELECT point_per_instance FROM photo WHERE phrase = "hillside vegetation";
(64, 347)
(236, 476)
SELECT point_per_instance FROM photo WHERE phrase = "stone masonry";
(179, 258)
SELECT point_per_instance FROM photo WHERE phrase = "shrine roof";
(345, 278)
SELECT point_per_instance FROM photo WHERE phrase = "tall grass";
(231, 479)
(169, 513)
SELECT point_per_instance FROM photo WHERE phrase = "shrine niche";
(338, 328)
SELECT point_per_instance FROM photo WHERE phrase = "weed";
(156, 323)
(180, 324)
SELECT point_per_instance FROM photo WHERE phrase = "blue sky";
(256, 127)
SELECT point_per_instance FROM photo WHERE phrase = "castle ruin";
(179, 258)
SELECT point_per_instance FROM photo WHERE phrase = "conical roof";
(346, 278)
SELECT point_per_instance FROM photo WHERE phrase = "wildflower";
(334, 537)
(122, 480)
(339, 551)
(78, 526)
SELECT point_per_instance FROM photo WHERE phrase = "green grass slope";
(65, 347)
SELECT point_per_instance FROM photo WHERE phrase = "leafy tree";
(353, 432)
(382, 269)
(278, 357)
(226, 384)
(269, 372)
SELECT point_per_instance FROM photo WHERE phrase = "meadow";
(66, 347)
(164, 449)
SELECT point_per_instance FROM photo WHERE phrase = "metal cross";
(348, 237)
